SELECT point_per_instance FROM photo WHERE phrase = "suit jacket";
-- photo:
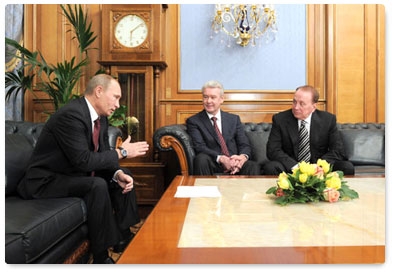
(325, 140)
(205, 139)
(65, 146)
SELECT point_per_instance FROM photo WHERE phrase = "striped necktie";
(304, 144)
(224, 149)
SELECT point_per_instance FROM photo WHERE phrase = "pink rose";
(319, 172)
(331, 195)
(279, 192)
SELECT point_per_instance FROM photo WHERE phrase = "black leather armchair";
(44, 230)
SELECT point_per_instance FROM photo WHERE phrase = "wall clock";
(131, 30)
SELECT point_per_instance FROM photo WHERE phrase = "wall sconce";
(245, 22)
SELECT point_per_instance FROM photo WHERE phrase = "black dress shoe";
(107, 260)
(120, 247)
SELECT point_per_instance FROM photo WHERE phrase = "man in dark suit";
(210, 157)
(324, 138)
(65, 163)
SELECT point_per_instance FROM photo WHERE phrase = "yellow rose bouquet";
(311, 183)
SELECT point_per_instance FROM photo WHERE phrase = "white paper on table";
(197, 191)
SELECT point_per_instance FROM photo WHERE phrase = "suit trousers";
(204, 164)
(109, 211)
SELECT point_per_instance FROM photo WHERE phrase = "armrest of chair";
(175, 137)
(114, 137)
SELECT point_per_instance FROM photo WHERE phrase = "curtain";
(13, 30)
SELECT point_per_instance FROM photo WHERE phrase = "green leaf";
(271, 190)
(82, 29)
(59, 81)
(346, 193)
(282, 200)
(16, 82)
(118, 117)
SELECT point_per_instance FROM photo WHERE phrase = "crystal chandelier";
(245, 22)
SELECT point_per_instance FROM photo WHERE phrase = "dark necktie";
(96, 132)
(224, 149)
(95, 137)
(304, 144)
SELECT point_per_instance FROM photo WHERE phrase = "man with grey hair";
(218, 137)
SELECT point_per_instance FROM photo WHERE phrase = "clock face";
(131, 31)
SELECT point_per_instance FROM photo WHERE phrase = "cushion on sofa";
(14, 253)
(258, 134)
(18, 151)
(364, 147)
(41, 222)
(30, 130)
(258, 141)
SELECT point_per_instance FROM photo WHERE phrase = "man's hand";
(136, 148)
(233, 164)
(125, 181)
(229, 164)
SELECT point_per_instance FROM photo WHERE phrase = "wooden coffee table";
(158, 240)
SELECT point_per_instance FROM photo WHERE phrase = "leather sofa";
(364, 144)
(44, 230)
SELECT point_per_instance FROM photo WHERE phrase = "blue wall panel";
(275, 66)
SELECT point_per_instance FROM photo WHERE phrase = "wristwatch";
(124, 153)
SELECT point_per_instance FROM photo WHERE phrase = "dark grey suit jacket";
(205, 139)
(325, 140)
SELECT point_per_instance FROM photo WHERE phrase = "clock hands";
(132, 30)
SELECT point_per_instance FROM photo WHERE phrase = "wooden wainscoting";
(178, 112)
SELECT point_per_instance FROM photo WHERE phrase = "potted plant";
(58, 81)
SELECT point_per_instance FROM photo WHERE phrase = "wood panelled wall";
(345, 62)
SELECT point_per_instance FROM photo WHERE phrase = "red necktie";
(95, 137)
(96, 132)
(224, 149)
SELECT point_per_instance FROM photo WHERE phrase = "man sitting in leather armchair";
(67, 161)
